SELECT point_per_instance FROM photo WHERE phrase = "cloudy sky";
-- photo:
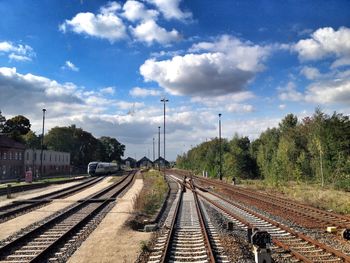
(104, 66)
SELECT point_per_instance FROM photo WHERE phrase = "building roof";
(144, 159)
(6, 142)
(130, 159)
(161, 159)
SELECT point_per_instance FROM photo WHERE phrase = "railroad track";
(188, 235)
(44, 242)
(297, 244)
(311, 216)
(23, 206)
(33, 186)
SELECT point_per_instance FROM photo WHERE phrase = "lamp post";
(42, 145)
(220, 150)
(158, 142)
(164, 100)
(159, 148)
(153, 149)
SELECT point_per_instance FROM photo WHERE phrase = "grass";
(152, 194)
(313, 194)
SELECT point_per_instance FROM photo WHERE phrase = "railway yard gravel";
(112, 241)
(16, 224)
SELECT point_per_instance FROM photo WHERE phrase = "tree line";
(82, 145)
(315, 149)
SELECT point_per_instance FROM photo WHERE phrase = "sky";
(105, 65)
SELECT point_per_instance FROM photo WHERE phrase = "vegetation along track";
(297, 244)
(20, 207)
(303, 214)
(43, 242)
(188, 235)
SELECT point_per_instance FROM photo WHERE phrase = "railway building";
(54, 163)
(161, 163)
(129, 163)
(11, 159)
(144, 162)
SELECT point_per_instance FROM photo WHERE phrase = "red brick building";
(11, 159)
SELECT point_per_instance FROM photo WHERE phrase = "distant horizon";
(105, 65)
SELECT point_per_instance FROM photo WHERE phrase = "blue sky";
(105, 65)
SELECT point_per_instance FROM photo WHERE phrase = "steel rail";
(204, 231)
(279, 225)
(166, 255)
(33, 186)
(21, 206)
(7, 248)
(44, 254)
(273, 200)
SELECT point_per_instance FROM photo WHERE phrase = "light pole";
(153, 149)
(220, 150)
(158, 142)
(42, 145)
(164, 100)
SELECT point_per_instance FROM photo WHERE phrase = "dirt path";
(34, 193)
(10, 227)
(111, 241)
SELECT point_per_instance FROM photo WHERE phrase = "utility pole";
(42, 145)
(220, 148)
(153, 149)
(164, 100)
(158, 142)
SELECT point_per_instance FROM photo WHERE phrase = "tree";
(17, 126)
(288, 123)
(32, 141)
(238, 161)
(81, 144)
(112, 149)
(2, 122)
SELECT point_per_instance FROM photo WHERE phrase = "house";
(129, 163)
(144, 162)
(161, 163)
(11, 159)
(54, 163)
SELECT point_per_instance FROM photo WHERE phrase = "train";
(100, 168)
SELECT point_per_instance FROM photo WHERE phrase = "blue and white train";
(99, 168)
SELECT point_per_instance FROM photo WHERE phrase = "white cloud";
(15, 57)
(226, 66)
(345, 61)
(69, 65)
(170, 9)
(124, 105)
(134, 11)
(238, 108)
(329, 92)
(115, 23)
(149, 32)
(289, 92)
(325, 92)
(17, 52)
(310, 72)
(141, 92)
(106, 24)
(110, 7)
(218, 101)
(324, 42)
(282, 106)
(108, 90)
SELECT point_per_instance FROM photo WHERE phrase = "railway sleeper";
(193, 258)
(180, 252)
(26, 252)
